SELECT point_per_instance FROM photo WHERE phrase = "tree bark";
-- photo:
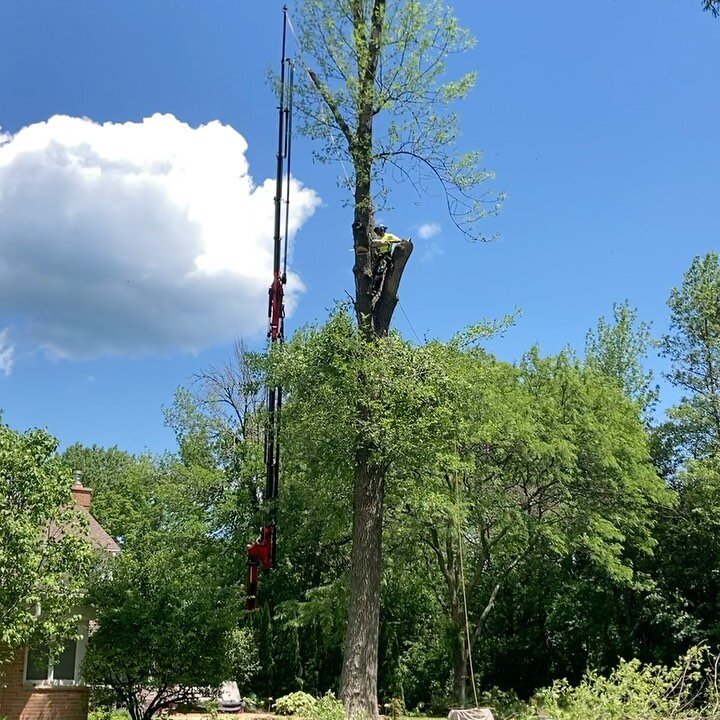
(386, 303)
(459, 657)
(358, 682)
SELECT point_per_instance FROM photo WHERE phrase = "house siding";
(21, 701)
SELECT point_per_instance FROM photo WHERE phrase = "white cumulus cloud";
(428, 230)
(7, 352)
(135, 237)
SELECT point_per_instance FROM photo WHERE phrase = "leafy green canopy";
(164, 630)
(618, 348)
(374, 95)
(547, 450)
(168, 607)
(693, 347)
(44, 556)
(537, 462)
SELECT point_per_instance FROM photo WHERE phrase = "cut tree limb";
(388, 300)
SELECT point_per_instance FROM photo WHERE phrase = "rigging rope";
(402, 310)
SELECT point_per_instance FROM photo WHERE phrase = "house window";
(41, 667)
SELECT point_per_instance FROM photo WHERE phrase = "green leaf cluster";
(374, 95)
(45, 557)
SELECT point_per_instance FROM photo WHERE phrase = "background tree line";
(586, 523)
(544, 491)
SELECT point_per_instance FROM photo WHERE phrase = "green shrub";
(252, 701)
(297, 703)
(396, 707)
(686, 691)
(633, 692)
(211, 708)
(328, 707)
(505, 704)
(244, 657)
(106, 714)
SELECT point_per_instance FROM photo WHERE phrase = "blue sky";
(597, 118)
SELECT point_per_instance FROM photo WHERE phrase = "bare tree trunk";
(358, 682)
(460, 658)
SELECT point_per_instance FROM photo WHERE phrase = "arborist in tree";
(382, 245)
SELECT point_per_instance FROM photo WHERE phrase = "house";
(34, 687)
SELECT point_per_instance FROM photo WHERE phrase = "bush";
(634, 692)
(328, 707)
(297, 703)
(306, 706)
(106, 714)
(505, 704)
(244, 657)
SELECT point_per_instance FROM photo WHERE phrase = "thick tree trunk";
(359, 674)
(358, 684)
(460, 658)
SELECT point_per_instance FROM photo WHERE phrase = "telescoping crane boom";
(262, 552)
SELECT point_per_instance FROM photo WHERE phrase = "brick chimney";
(81, 495)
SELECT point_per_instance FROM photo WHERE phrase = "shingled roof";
(95, 532)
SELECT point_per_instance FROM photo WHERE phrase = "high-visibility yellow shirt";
(385, 242)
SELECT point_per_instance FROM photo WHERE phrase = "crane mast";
(262, 552)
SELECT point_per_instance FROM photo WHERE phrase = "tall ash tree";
(374, 95)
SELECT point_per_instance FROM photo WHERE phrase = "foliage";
(617, 349)
(390, 79)
(686, 446)
(634, 691)
(516, 476)
(515, 454)
(123, 487)
(303, 705)
(45, 558)
(244, 658)
(166, 607)
(693, 347)
(297, 703)
(164, 628)
(328, 707)
(108, 714)
(688, 557)
(504, 704)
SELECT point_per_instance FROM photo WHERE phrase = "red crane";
(262, 552)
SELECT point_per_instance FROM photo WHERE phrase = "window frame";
(50, 681)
